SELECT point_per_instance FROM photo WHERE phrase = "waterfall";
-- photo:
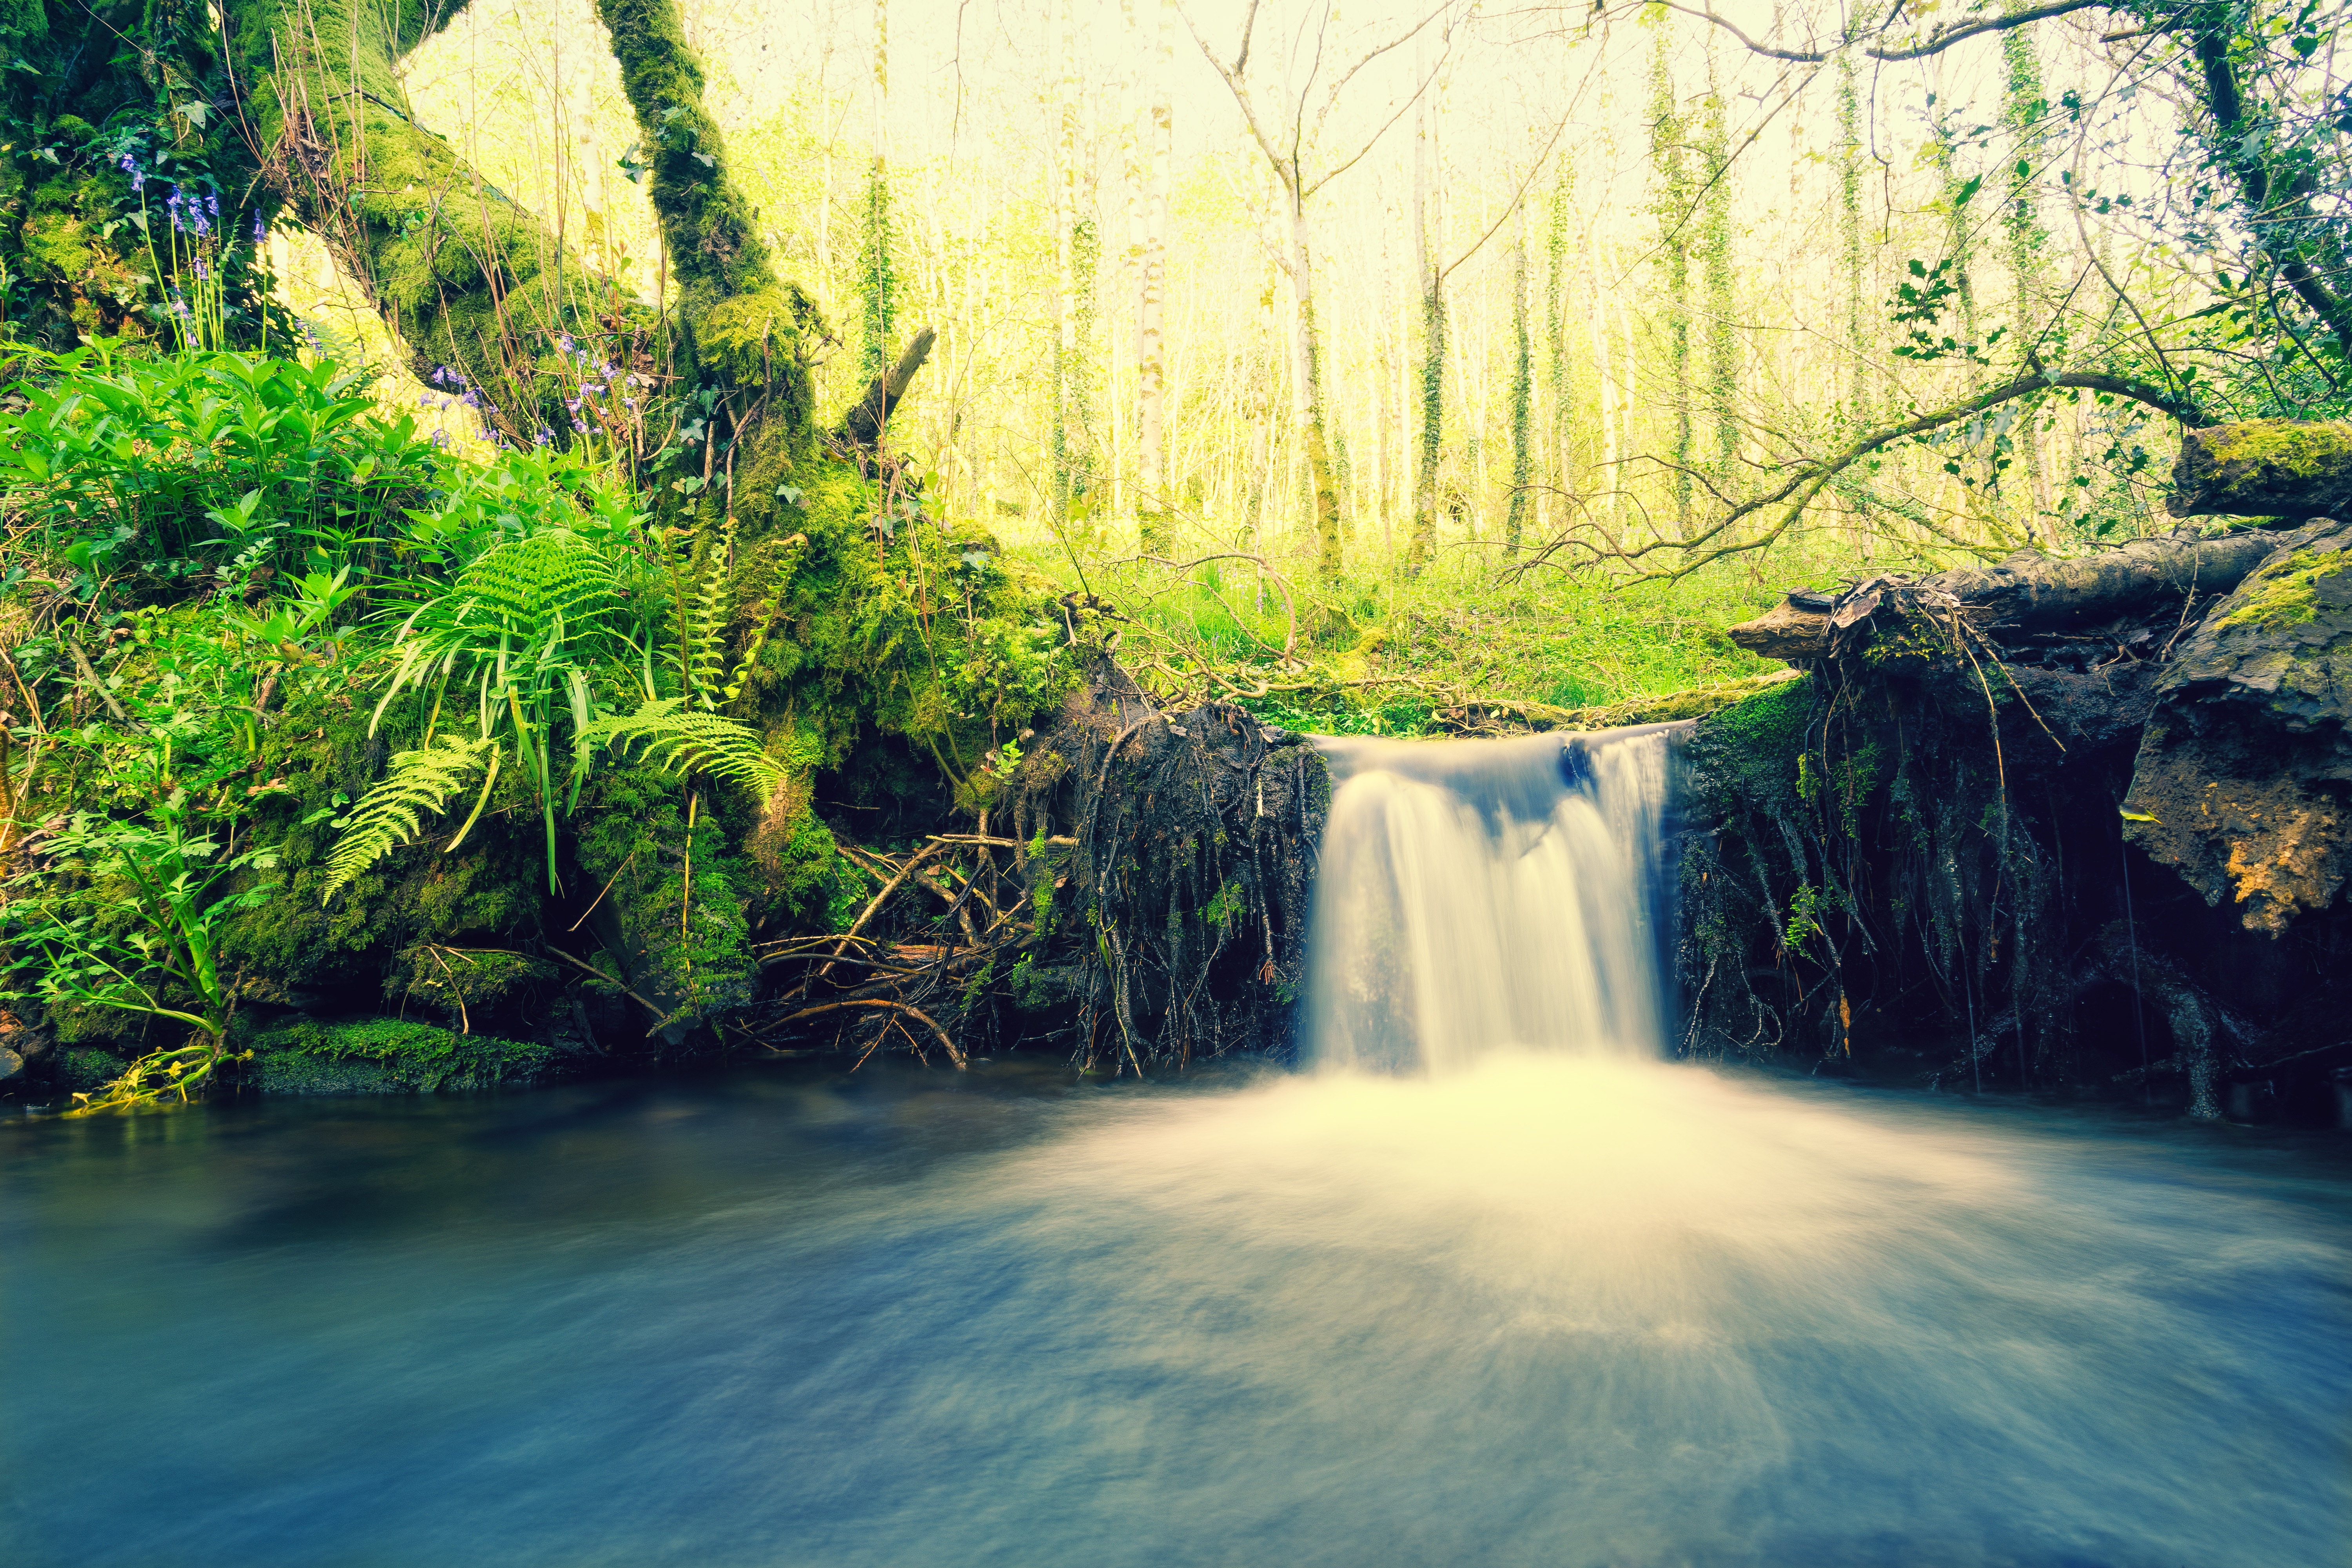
(1477, 896)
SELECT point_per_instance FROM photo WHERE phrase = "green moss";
(320, 749)
(1674, 705)
(2295, 449)
(390, 1055)
(1747, 754)
(674, 924)
(81, 1069)
(465, 983)
(2282, 594)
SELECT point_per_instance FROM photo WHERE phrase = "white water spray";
(1484, 896)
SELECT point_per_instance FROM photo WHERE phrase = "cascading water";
(1488, 895)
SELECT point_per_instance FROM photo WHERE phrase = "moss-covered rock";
(392, 1055)
(676, 896)
(2266, 468)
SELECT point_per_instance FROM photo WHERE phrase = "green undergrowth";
(462, 732)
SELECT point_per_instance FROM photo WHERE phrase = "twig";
(915, 1013)
(660, 1017)
(599, 895)
(888, 888)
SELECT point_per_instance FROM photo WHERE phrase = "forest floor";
(1382, 652)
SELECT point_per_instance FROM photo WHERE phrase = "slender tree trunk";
(1427, 221)
(1523, 457)
(1858, 414)
(1307, 384)
(878, 282)
(1598, 329)
(2022, 106)
(1722, 335)
(1560, 471)
(1065, 218)
(1151, 378)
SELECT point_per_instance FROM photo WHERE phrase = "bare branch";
(1934, 43)
(1812, 478)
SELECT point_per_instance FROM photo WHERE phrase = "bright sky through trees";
(1712, 246)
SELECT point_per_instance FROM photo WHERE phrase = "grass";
(1380, 651)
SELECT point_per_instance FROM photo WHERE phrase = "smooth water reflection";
(1549, 1310)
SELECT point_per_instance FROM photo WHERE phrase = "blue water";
(1549, 1310)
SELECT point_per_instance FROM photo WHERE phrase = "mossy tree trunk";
(476, 285)
(469, 279)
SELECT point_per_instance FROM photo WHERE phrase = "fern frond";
(706, 623)
(391, 814)
(675, 737)
(528, 587)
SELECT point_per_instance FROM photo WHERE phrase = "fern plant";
(518, 646)
(392, 812)
(700, 613)
(523, 632)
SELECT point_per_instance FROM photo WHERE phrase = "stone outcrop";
(2243, 781)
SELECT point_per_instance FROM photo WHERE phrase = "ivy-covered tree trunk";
(1672, 206)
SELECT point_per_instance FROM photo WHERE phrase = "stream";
(1549, 1310)
(1487, 1281)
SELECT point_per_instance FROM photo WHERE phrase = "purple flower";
(579, 426)
(260, 230)
(543, 437)
(212, 204)
(201, 273)
(564, 342)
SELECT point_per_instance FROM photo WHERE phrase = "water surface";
(1560, 1310)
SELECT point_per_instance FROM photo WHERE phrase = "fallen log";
(2287, 468)
(2029, 592)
